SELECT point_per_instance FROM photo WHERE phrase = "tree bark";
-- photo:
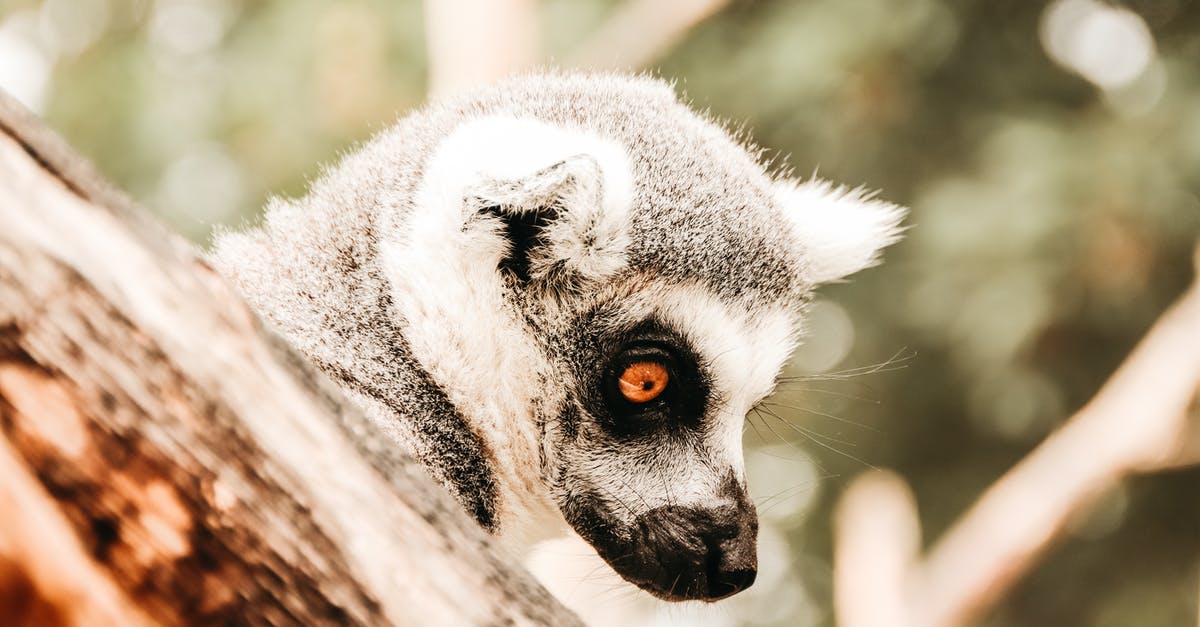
(165, 460)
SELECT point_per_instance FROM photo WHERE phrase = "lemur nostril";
(726, 583)
(732, 564)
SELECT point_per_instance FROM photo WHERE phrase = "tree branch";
(878, 542)
(640, 32)
(164, 460)
(1139, 422)
(476, 42)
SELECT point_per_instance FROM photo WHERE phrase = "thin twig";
(1138, 422)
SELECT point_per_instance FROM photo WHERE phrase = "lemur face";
(644, 453)
(604, 284)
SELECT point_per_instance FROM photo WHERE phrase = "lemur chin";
(562, 294)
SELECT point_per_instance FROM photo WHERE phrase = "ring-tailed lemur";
(562, 294)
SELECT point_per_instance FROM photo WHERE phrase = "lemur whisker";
(853, 397)
(781, 493)
(596, 570)
(666, 487)
(810, 433)
(815, 412)
(776, 499)
(793, 388)
(755, 413)
(824, 474)
(610, 494)
(631, 489)
(802, 378)
(759, 410)
(804, 456)
(528, 274)
(896, 362)
(815, 440)
(675, 583)
(750, 424)
(604, 587)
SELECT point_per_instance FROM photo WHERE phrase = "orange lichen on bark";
(48, 572)
(21, 603)
(220, 495)
(165, 519)
(50, 411)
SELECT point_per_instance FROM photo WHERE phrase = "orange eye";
(643, 381)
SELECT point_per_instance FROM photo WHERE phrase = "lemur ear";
(839, 230)
(558, 198)
(555, 222)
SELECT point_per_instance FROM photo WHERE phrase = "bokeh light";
(1108, 45)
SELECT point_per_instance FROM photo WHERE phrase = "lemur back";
(562, 294)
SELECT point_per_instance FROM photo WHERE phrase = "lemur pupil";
(643, 381)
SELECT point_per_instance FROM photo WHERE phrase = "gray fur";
(703, 216)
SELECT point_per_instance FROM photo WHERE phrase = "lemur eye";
(651, 383)
(643, 381)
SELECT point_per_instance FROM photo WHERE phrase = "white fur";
(743, 352)
(840, 230)
(461, 329)
(520, 163)
(744, 355)
(433, 206)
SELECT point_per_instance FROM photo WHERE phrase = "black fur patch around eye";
(681, 406)
(525, 232)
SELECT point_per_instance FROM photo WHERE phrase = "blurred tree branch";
(641, 31)
(1140, 421)
(476, 42)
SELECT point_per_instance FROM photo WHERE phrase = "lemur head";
(605, 283)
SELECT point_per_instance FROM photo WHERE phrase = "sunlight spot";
(784, 482)
(188, 27)
(25, 64)
(1017, 404)
(1109, 46)
(828, 338)
(1140, 96)
(205, 185)
(71, 26)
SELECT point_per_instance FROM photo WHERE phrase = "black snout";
(677, 553)
(685, 553)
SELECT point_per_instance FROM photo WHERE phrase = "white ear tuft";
(839, 230)
(503, 148)
(563, 194)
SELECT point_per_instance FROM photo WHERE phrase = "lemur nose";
(694, 553)
(732, 562)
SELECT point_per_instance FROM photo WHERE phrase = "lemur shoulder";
(562, 294)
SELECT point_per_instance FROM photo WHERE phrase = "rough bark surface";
(164, 460)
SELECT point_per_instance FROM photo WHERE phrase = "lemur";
(562, 294)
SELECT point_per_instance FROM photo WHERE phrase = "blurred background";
(1050, 153)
